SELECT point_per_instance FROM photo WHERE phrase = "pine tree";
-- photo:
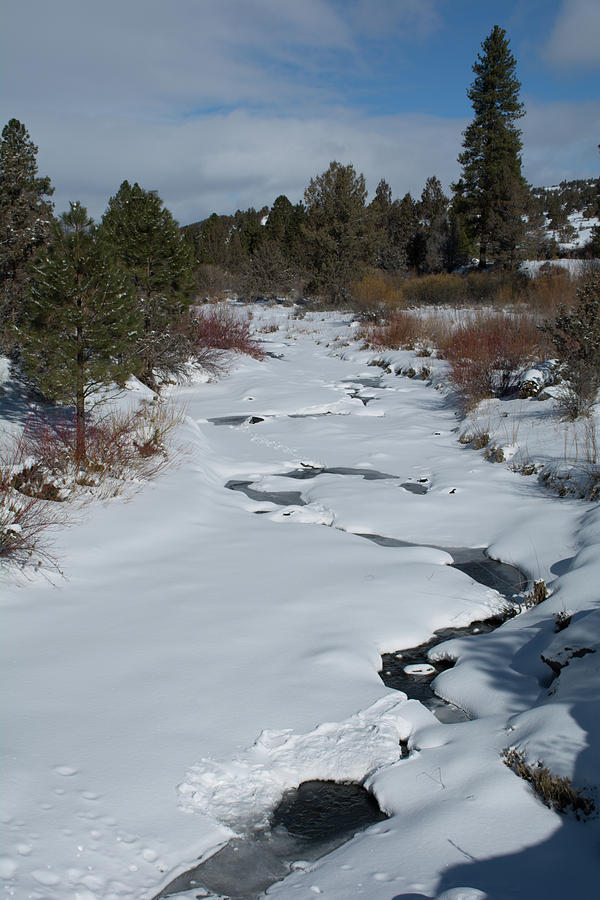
(79, 319)
(284, 226)
(337, 231)
(492, 193)
(25, 219)
(575, 334)
(433, 217)
(402, 229)
(145, 240)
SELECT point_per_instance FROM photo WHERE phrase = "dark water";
(373, 381)
(319, 810)
(507, 580)
(294, 498)
(231, 420)
(281, 498)
(309, 822)
(305, 472)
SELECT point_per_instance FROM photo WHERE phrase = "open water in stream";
(319, 816)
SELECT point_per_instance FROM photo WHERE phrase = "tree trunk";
(80, 449)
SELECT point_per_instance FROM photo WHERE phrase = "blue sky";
(220, 104)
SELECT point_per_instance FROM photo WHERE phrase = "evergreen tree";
(284, 227)
(402, 229)
(79, 319)
(458, 250)
(144, 238)
(381, 207)
(25, 219)
(247, 224)
(211, 245)
(492, 193)
(268, 273)
(337, 231)
(433, 218)
(575, 334)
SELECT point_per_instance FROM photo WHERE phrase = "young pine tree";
(492, 194)
(145, 240)
(79, 321)
(25, 220)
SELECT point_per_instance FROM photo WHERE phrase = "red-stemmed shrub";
(219, 327)
(401, 329)
(489, 354)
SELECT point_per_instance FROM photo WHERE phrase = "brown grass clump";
(472, 289)
(554, 791)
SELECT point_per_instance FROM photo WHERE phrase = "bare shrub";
(488, 355)
(213, 281)
(25, 522)
(402, 329)
(377, 294)
(219, 327)
(435, 331)
(554, 791)
(498, 288)
(551, 290)
(124, 446)
(435, 290)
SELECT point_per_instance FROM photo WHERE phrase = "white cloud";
(560, 141)
(156, 58)
(405, 18)
(224, 104)
(235, 160)
(575, 39)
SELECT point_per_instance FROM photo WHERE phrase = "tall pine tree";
(145, 240)
(79, 319)
(337, 231)
(25, 220)
(492, 193)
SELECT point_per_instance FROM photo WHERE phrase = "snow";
(197, 659)
(574, 267)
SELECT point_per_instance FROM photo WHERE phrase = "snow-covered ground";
(196, 659)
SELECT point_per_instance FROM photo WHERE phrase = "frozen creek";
(210, 651)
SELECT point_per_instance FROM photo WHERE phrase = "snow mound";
(241, 792)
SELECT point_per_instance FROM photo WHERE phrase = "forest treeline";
(268, 252)
(84, 303)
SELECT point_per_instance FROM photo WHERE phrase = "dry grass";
(377, 294)
(550, 291)
(554, 791)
